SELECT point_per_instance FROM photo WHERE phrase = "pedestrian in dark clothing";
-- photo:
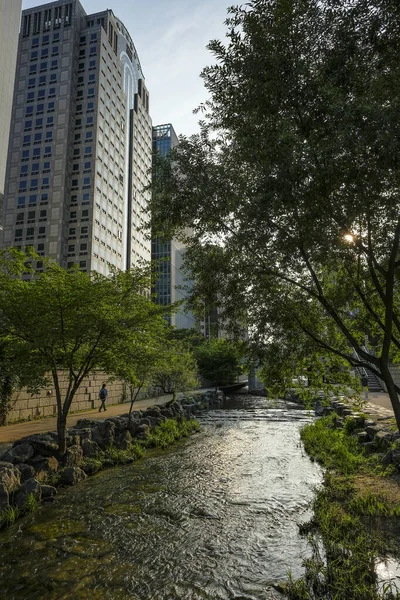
(103, 397)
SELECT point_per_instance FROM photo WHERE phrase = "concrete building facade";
(10, 15)
(170, 254)
(74, 159)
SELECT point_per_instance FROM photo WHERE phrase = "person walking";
(103, 397)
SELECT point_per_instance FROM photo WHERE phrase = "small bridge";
(233, 387)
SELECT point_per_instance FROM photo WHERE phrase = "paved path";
(10, 433)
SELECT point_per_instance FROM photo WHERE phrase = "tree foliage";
(177, 369)
(219, 361)
(295, 177)
(66, 319)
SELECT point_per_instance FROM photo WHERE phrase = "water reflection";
(214, 518)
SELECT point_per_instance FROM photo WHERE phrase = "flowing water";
(215, 517)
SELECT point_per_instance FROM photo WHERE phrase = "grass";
(345, 542)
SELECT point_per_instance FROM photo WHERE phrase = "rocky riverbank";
(32, 469)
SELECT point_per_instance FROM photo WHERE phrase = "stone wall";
(44, 404)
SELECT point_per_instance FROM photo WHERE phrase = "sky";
(170, 37)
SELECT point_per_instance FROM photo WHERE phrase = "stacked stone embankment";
(30, 466)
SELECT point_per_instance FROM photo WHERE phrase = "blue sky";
(170, 37)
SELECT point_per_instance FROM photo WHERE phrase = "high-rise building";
(10, 14)
(81, 141)
(169, 254)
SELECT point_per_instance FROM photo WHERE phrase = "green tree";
(66, 319)
(220, 361)
(296, 169)
(176, 371)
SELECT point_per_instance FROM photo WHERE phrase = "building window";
(36, 153)
(49, 136)
(57, 17)
(30, 97)
(31, 216)
(18, 235)
(22, 186)
(86, 199)
(77, 151)
(28, 126)
(91, 93)
(35, 169)
(32, 200)
(88, 150)
(42, 216)
(32, 69)
(42, 232)
(47, 151)
(29, 111)
(34, 184)
(56, 37)
(26, 140)
(41, 94)
(35, 43)
(55, 51)
(45, 40)
(44, 198)
(40, 109)
(44, 53)
(21, 201)
(36, 22)
(26, 29)
(38, 138)
(25, 155)
(45, 182)
(39, 123)
(52, 92)
(24, 171)
(68, 15)
(50, 122)
(89, 135)
(31, 83)
(90, 106)
(53, 78)
(51, 107)
(46, 167)
(54, 64)
(42, 80)
(43, 67)
(20, 219)
(47, 19)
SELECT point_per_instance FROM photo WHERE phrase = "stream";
(212, 518)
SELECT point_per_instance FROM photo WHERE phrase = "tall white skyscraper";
(81, 141)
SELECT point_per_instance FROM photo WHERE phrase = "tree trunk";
(392, 391)
(61, 430)
(173, 395)
(6, 389)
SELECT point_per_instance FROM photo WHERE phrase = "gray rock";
(10, 477)
(372, 430)
(73, 456)
(73, 475)
(19, 454)
(4, 496)
(27, 471)
(45, 466)
(87, 423)
(30, 486)
(143, 432)
(104, 434)
(387, 459)
(362, 437)
(48, 491)
(90, 449)
(383, 438)
(369, 423)
(124, 440)
(396, 458)
(43, 444)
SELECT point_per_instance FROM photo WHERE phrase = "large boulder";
(143, 432)
(45, 466)
(73, 456)
(73, 475)
(43, 444)
(29, 487)
(4, 496)
(10, 477)
(104, 434)
(27, 471)
(372, 430)
(124, 440)
(90, 449)
(87, 423)
(48, 491)
(18, 454)
(120, 423)
(84, 433)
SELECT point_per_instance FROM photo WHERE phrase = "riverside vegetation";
(355, 512)
(30, 471)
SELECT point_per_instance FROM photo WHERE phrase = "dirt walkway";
(11, 433)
